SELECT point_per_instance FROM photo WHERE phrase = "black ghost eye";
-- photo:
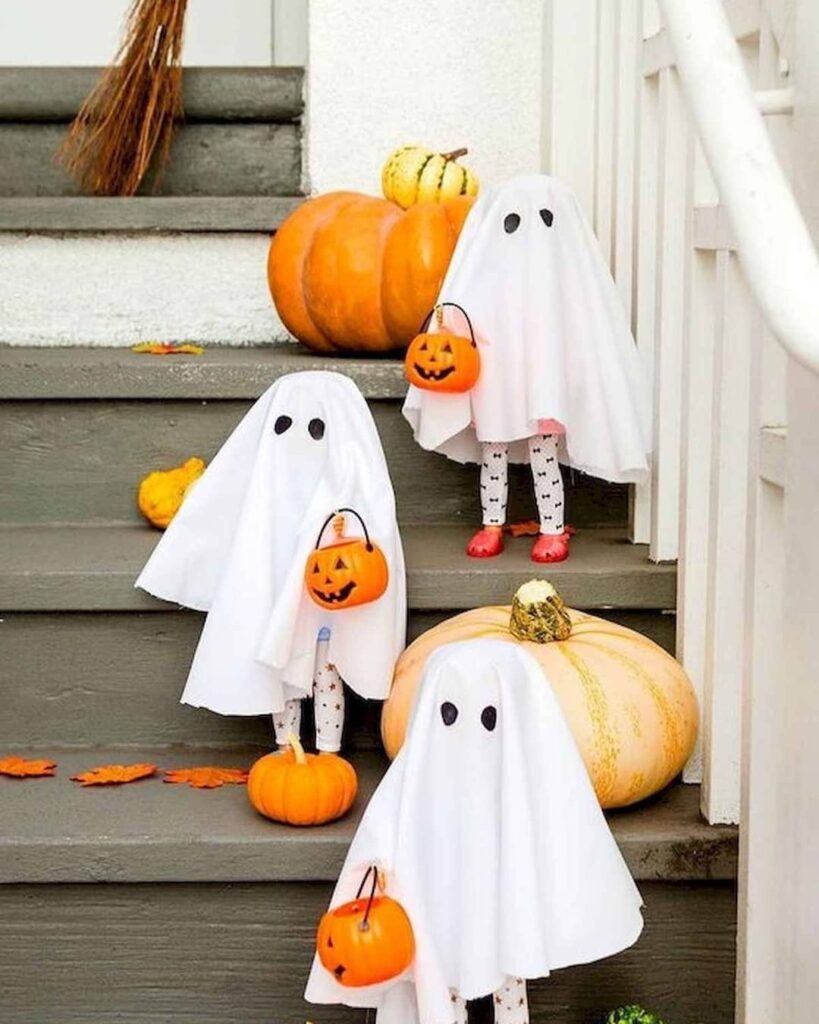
(316, 429)
(340, 563)
(547, 217)
(511, 222)
(448, 712)
(282, 423)
(489, 718)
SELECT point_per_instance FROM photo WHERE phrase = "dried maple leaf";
(20, 768)
(114, 774)
(207, 776)
(167, 348)
(530, 528)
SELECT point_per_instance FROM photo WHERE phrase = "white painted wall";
(430, 71)
(86, 32)
(120, 289)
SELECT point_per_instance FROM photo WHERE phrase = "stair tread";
(93, 568)
(46, 214)
(57, 831)
(54, 94)
(221, 372)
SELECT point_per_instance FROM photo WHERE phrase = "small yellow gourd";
(162, 492)
(415, 174)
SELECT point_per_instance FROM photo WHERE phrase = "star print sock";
(459, 1009)
(494, 483)
(511, 1004)
(287, 721)
(328, 699)
(548, 482)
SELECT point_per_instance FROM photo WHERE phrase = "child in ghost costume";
(560, 379)
(237, 549)
(490, 835)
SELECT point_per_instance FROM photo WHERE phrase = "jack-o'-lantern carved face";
(443, 361)
(346, 574)
(366, 941)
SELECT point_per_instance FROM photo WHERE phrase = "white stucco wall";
(431, 71)
(86, 32)
(117, 290)
(378, 76)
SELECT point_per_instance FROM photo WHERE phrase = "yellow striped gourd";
(415, 174)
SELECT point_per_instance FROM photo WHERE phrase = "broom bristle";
(128, 119)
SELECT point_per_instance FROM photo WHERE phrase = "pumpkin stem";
(455, 153)
(297, 748)
(538, 613)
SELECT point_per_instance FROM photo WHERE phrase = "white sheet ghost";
(553, 338)
(238, 547)
(491, 837)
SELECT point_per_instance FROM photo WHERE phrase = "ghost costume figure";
(490, 835)
(238, 547)
(560, 379)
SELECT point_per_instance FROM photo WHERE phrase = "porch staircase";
(154, 903)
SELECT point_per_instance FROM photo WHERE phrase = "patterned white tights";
(328, 706)
(546, 476)
(511, 1004)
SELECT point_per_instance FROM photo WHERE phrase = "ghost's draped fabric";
(554, 341)
(238, 546)
(491, 837)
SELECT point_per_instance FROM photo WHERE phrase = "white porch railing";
(672, 235)
(722, 279)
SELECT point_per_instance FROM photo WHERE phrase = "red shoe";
(486, 543)
(551, 547)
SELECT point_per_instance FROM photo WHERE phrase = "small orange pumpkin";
(302, 789)
(366, 941)
(443, 362)
(348, 573)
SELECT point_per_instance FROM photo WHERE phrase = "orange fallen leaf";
(167, 348)
(207, 776)
(20, 768)
(114, 774)
(528, 529)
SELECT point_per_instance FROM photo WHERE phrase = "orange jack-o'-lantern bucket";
(366, 941)
(347, 573)
(444, 362)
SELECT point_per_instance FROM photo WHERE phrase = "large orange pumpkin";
(355, 273)
(631, 707)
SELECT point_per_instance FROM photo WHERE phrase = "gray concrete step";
(240, 953)
(240, 138)
(54, 94)
(83, 214)
(80, 427)
(93, 568)
(220, 927)
(116, 677)
(57, 831)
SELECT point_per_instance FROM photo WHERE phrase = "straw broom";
(128, 119)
